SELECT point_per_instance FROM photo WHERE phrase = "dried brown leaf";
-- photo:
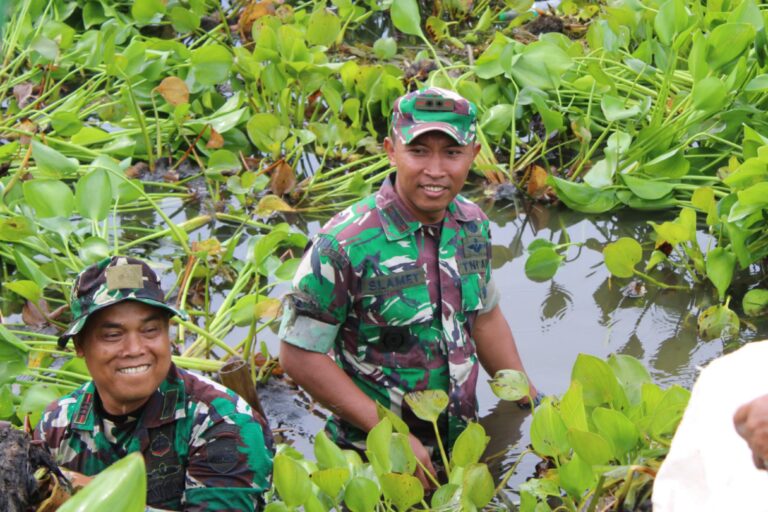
(250, 14)
(23, 93)
(34, 316)
(174, 90)
(537, 181)
(283, 178)
(215, 141)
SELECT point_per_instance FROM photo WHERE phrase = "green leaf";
(647, 189)
(548, 432)
(49, 198)
(377, 446)
(583, 198)
(671, 164)
(93, 195)
(427, 405)
(34, 400)
(211, 64)
(361, 495)
(291, 481)
(616, 109)
(720, 265)
(406, 17)
(488, 65)
(323, 27)
(496, 120)
(445, 497)
(576, 476)
(122, 486)
(668, 412)
(727, 42)
(402, 490)
(183, 20)
(13, 229)
(401, 454)
(709, 94)
(599, 382)
(478, 488)
(331, 481)
(469, 446)
(631, 374)
(540, 65)
(591, 447)
(266, 131)
(572, 407)
(13, 356)
(718, 322)
(622, 255)
(144, 11)
(511, 385)
(397, 422)
(93, 249)
(671, 19)
(755, 302)
(26, 289)
(30, 269)
(51, 162)
(65, 123)
(757, 84)
(542, 264)
(327, 453)
(7, 408)
(385, 48)
(617, 429)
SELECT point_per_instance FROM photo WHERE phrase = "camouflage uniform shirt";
(203, 446)
(396, 301)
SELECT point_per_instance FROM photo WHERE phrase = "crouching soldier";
(203, 446)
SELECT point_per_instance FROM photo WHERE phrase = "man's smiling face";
(128, 352)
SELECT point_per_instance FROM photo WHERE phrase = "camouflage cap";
(432, 108)
(108, 282)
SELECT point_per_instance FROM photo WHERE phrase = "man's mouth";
(131, 370)
(433, 188)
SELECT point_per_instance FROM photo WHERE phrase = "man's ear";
(78, 342)
(389, 147)
(476, 149)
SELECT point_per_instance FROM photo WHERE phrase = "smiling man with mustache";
(203, 446)
(399, 288)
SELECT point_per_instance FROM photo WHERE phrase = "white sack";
(709, 466)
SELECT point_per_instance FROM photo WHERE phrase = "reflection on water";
(582, 310)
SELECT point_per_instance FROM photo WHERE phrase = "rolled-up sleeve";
(317, 305)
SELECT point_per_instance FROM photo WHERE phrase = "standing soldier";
(204, 448)
(399, 287)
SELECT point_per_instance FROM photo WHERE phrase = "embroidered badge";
(222, 454)
(393, 282)
(160, 446)
(124, 276)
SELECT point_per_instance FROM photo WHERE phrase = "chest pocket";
(473, 264)
(395, 318)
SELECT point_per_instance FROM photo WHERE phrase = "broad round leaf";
(622, 255)
(331, 481)
(327, 453)
(173, 90)
(93, 195)
(51, 162)
(49, 198)
(548, 432)
(617, 429)
(385, 48)
(34, 401)
(211, 64)
(720, 265)
(122, 486)
(406, 17)
(576, 476)
(361, 495)
(727, 42)
(671, 164)
(469, 446)
(591, 447)
(323, 27)
(402, 490)
(291, 481)
(270, 204)
(144, 11)
(647, 189)
(26, 289)
(755, 302)
(478, 488)
(13, 229)
(542, 264)
(184, 20)
(718, 321)
(93, 249)
(598, 381)
(510, 385)
(427, 405)
(709, 94)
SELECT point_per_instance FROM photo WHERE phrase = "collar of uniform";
(397, 221)
(163, 404)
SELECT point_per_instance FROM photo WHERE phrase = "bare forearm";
(496, 347)
(319, 375)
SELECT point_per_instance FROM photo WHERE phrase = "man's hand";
(78, 480)
(422, 455)
(751, 422)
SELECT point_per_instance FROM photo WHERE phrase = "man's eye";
(112, 336)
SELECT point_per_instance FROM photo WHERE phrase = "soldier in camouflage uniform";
(399, 287)
(203, 446)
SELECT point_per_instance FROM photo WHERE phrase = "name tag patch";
(393, 282)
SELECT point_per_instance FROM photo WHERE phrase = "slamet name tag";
(393, 282)
(124, 276)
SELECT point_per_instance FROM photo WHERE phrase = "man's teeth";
(433, 188)
(134, 369)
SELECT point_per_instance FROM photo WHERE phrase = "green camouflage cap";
(108, 282)
(432, 108)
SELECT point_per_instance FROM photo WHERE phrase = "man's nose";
(434, 167)
(133, 343)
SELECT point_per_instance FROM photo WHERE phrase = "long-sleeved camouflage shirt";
(203, 445)
(396, 301)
